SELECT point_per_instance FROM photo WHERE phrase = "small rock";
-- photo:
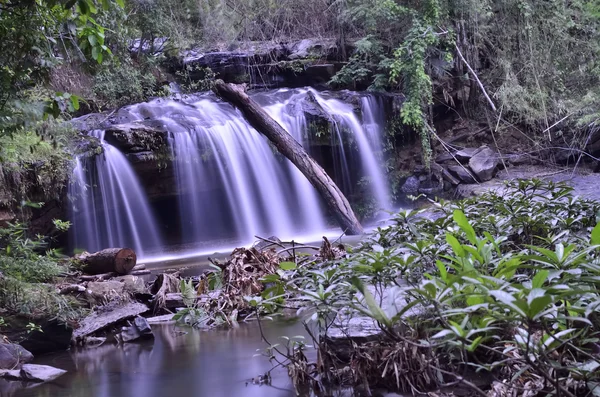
(484, 164)
(466, 154)
(142, 325)
(10, 374)
(167, 318)
(13, 356)
(129, 334)
(40, 373)
(461, 173)
(411, 186)
(139, 329)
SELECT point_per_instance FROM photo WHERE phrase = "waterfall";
(368, 139)
(110, 208)
(231, 183)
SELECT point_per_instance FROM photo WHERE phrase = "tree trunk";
(290, 148)
(118, 260)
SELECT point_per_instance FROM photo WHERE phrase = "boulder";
(466, 154)
(484, 164)
(461, 173)
(40, 373)
(411, 185)
(13, 356)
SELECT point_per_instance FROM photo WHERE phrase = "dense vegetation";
(511, 295)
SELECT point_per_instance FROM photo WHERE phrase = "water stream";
(178, 362)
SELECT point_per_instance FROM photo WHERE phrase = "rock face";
(267, 65)
(484, 164)
(13, 356)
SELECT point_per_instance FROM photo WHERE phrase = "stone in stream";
(40, 373)
(461, 173)
(484, 164)
(33, 373)
(139, 329)
(107, 316)
(13, 356)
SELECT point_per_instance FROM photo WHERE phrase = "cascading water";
(110, 208)
(368, 139)
(231, 184)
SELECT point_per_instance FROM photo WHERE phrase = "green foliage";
(121, 82)
(24, 270)
(509, 276)
(30, 33)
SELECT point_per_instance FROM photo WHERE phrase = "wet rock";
(411, 185)
(40, 373)
(142, 325)
(466, 154)
(139, 329)
(461, 173)
(10, 373)
(484, 164)
(13, 356)
(107, 316)
(167, 318)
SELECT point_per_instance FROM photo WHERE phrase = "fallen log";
(118, 260)
(290, 148)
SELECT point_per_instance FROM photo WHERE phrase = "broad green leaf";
(540, 278)
(462, 221)
(287, 265)
(595, 238)
(456, 246)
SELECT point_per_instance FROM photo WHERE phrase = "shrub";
(505, 283)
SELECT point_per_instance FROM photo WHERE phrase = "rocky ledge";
(308, 62)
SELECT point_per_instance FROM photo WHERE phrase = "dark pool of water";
(178, 362)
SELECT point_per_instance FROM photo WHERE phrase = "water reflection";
(179, 362)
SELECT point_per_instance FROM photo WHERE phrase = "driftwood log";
(117, 260)
(290, 148)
